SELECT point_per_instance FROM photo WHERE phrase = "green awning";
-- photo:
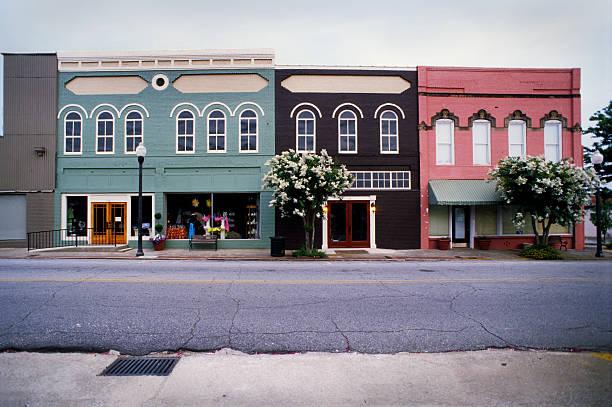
(463, 192)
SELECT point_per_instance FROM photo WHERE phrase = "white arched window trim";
(216, 135)
(80, 136)
(306, 135)
(347, 135)
(193, 116)
(240, 134)
(105, 136)
(390, 135)
(125, 132)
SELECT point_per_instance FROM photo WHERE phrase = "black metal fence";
(73, 238)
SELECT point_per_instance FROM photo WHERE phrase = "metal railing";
(47, 239)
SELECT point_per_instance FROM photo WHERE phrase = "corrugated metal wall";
(30, 109)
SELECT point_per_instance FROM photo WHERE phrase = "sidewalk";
(123, 252)
(229, 378)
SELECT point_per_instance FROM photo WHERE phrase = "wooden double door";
(349, 224)
(109, 223)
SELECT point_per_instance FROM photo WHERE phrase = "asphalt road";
(142, 306)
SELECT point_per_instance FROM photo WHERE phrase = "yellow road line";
(301, 282)
(605, 356)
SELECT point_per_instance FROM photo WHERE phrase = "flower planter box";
(159, 246)
(444, 244)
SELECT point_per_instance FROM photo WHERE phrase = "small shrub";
(159, 228)
(304, 252)
(609, 245)
(541, 252)
(233, 235)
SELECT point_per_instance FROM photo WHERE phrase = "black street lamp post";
(597, 159)
(141, 151)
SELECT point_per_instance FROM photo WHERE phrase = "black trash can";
(277, 246)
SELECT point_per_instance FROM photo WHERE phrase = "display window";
(229, 216)
(147, 221)
(76, 215)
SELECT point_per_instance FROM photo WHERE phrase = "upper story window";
(305, 131)
(445, 135)
(184, 132)
(248, 131)
(388, 133)
(133, 131)
(517, 131)
(72, 133)
(216, 132)
(105, 133)
(481, 138)
(552, 140)
(347, 132)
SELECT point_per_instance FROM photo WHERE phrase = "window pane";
(77, 129)
(310, 143)
(109, 144)
(551, 153)
(76, 145)
(69, 128)
(181, 127)
(385, 143)
(109, 128)
(516, 150)
(212, 143)
(352, 146)
(343, 127)
(220, 143)
(100, 144)
(100, 128)
(253, 126)
(138, 127)
(310, 127)
(515, 132)
(343, 143)
(189, 143)
(480, 132)
(351, 128)
(252, 142)
(443, 132)
(393, 144)
(221, 127)
(393, 127)
(189, 127)
(181, 144)
(301, 126)
(443, 154)
(129, 127)
(385, 127)
(301, 143)
(244, 126)
(480, 154)
(129, 144)
(486, 220)
(69, 145)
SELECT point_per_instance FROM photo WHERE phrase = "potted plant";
(159, 240)
(484, 243)
(444, 243)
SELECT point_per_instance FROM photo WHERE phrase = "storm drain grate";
(141, 366)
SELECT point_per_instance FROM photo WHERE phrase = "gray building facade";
(28, 146)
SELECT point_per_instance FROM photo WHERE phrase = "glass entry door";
(109, 223)
(461, 224)
(349, 224)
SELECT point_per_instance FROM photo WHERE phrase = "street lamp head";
(597, 158)
(141, 150)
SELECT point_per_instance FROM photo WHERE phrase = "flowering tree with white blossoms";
(545, 191)
(302, 183)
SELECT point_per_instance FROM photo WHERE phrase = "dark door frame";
(349, 243)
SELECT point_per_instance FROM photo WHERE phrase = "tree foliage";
(602, 134)
(302, 183)
(544, 191)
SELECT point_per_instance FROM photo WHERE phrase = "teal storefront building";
(207, 121)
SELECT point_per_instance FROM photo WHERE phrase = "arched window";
(445, 137)
(184, 132)
(481, 142)
(347, 132)
(105, 124)
(133, 131)
(552, 140)
(517, 140)
(248, 131)
(72, 133)
(305, 131)
(216, 132)
(389, 142)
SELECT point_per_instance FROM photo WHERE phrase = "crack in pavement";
(452, 305)
(384, 331)
(193, 327)
(348, 344)
(237, 302)
(6, 331)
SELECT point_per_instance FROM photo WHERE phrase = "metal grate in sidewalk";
(141, 366)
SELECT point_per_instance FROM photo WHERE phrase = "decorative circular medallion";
(160, 81)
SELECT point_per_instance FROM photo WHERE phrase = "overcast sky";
(531, 33)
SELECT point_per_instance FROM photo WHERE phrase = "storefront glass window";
(486, 220)
(438, 220)
(76, 215)
(148, 227)
(240, 211)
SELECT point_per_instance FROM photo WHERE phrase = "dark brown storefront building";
(367, 119)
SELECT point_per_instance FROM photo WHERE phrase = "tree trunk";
(546, 230)
(534, 226)
(309, 230)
